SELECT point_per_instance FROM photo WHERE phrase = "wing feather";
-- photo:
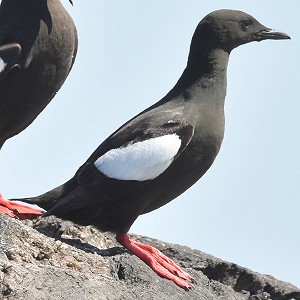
(143, 160)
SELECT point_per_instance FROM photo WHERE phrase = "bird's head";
(228, 29)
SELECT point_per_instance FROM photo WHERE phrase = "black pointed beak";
(71, 2)
(272, 34)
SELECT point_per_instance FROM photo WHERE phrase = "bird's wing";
(143, 154)
(9, 56)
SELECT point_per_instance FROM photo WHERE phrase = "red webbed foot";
(157, 261)
(18, 210)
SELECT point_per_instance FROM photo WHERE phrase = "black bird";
(161, 152)
(38, 45)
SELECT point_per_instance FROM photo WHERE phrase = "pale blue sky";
(246, 208)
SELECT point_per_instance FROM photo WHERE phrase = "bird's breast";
(191, 164)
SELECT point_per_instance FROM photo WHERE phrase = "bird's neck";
(205, 68)
(208, 64)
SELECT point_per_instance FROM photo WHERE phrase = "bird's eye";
(245, 24)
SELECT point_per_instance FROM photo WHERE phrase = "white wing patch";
(2, 65)
(140, 161)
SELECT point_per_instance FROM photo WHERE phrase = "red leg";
(157, 261)
(18, 210)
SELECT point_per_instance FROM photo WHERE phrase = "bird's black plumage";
(142, 166)
(38, 45)
(193, 110)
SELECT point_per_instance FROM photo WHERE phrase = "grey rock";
(49, 259)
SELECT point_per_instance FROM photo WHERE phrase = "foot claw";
(188, 288)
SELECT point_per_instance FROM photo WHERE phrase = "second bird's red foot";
(157, 261)
(17, 210)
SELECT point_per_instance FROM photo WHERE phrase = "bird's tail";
(49, 199)
(70, 201)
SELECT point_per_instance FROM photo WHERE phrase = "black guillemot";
(164, 150)
(38, 45)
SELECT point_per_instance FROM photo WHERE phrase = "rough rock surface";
(54, 259)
